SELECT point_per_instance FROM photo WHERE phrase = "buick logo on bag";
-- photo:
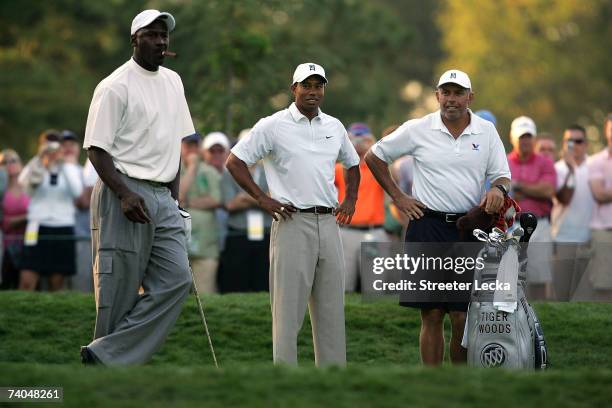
(493, 355)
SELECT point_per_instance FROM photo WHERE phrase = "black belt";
(317, 210)
(363, 227)
(447, 217)
(151, 182)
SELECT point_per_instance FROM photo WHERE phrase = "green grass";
(40, 335)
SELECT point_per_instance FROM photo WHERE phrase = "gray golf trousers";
(130, 326)
(307, 270)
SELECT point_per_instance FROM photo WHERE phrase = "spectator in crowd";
(573, 203)
(245, 259)
(200, 194)
(3, 185)
(14, 206)
(369, 217)
(49, 241)
(215, 150)
(571, 213)
(546, 146)
(83, 279)
(600, 181)
(487, 115)
(533, 187)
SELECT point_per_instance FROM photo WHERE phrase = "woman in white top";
(49, 240)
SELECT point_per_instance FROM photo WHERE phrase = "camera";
(51, 147)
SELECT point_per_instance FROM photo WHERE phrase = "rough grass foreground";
(40, 335)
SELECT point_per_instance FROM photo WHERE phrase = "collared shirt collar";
(472, 128)
(297, 115)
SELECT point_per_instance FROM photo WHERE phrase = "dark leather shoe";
(87, 357)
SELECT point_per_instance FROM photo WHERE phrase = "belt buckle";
(449, 215)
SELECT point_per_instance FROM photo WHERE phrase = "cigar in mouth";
(170, 54)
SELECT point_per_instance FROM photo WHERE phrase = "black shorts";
(53, 253)
(430, 229)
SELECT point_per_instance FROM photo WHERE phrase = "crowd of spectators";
(44, 212)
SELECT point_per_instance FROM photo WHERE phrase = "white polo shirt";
(449, 173)
(140, 117)
(299, 156)
(570, 223)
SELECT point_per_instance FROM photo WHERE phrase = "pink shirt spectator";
(600, 167)
(536, 168)
(13, 206)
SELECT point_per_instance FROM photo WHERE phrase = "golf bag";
(510, 336)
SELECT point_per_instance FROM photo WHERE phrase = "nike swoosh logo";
(328, 137)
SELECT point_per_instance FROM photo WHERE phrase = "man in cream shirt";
(137, 118)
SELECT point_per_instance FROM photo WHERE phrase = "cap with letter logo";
(307, 69)
(454, 76)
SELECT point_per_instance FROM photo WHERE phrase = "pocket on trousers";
(104, 281)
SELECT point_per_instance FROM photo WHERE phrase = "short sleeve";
(497, 163)
(257, 144)
(229, 188)
(104, 118)
(185, 127)
(348, 155)
(596, 170)
(395, 145)
(548, 173)
(214, 182)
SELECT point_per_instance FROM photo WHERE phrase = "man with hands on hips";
(454, 153)
(299, 147)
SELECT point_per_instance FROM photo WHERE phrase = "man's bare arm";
(344, 212)
(542, 190)
(406, 204)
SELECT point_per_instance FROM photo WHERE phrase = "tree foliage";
(236, 58)
(548, 59)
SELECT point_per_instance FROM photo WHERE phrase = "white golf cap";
(521, 126)
(454, 76)
(144, 18)
(215, 138)
(307, 69)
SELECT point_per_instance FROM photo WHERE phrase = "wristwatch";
(503, 189)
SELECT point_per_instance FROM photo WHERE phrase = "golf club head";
(515, 232)
(497, 235)
(481, 235)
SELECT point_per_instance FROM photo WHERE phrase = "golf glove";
(187, 221)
